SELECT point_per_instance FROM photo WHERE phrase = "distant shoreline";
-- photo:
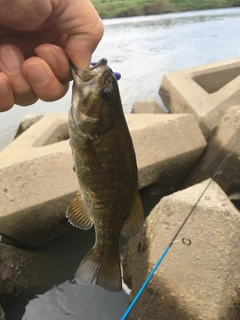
(128, 8)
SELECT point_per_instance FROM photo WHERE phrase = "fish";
(106, 168)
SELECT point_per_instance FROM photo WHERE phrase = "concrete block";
(166, 147)
(27, 122)
(147, 106)
(19, 269)
(205, 91)
(219, 145)
(37, 182)
(199, 281)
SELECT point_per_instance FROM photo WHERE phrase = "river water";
(142, 49)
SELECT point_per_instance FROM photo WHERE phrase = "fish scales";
(105, 165)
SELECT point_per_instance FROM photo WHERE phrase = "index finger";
(81, 22)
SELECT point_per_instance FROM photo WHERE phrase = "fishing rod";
(184, 240)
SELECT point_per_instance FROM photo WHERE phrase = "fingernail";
(37, 74)
(10, 60)
(50, 59)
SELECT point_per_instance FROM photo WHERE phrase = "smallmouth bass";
(105, 165)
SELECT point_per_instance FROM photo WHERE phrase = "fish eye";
(106, 94)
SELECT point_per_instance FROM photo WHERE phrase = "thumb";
(83, 26)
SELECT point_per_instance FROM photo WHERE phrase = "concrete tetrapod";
(147, 106)
(27, 122)
(166, 147)
(205, 91)
(225, 139)
(37, 182)
(199, 281)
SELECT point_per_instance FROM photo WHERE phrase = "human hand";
(37, 38)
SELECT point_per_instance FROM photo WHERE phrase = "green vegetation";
(127, 8)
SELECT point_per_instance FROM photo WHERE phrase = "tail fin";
(94, 269)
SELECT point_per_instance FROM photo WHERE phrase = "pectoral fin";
(78, 214)
(135, 218)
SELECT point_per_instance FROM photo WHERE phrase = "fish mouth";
(101, 63)
(90, 73)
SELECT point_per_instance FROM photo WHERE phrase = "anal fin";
(135, 218)
(78, 214)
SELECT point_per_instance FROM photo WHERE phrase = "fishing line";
(148, 303)
(217, 172)
(171, 96)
